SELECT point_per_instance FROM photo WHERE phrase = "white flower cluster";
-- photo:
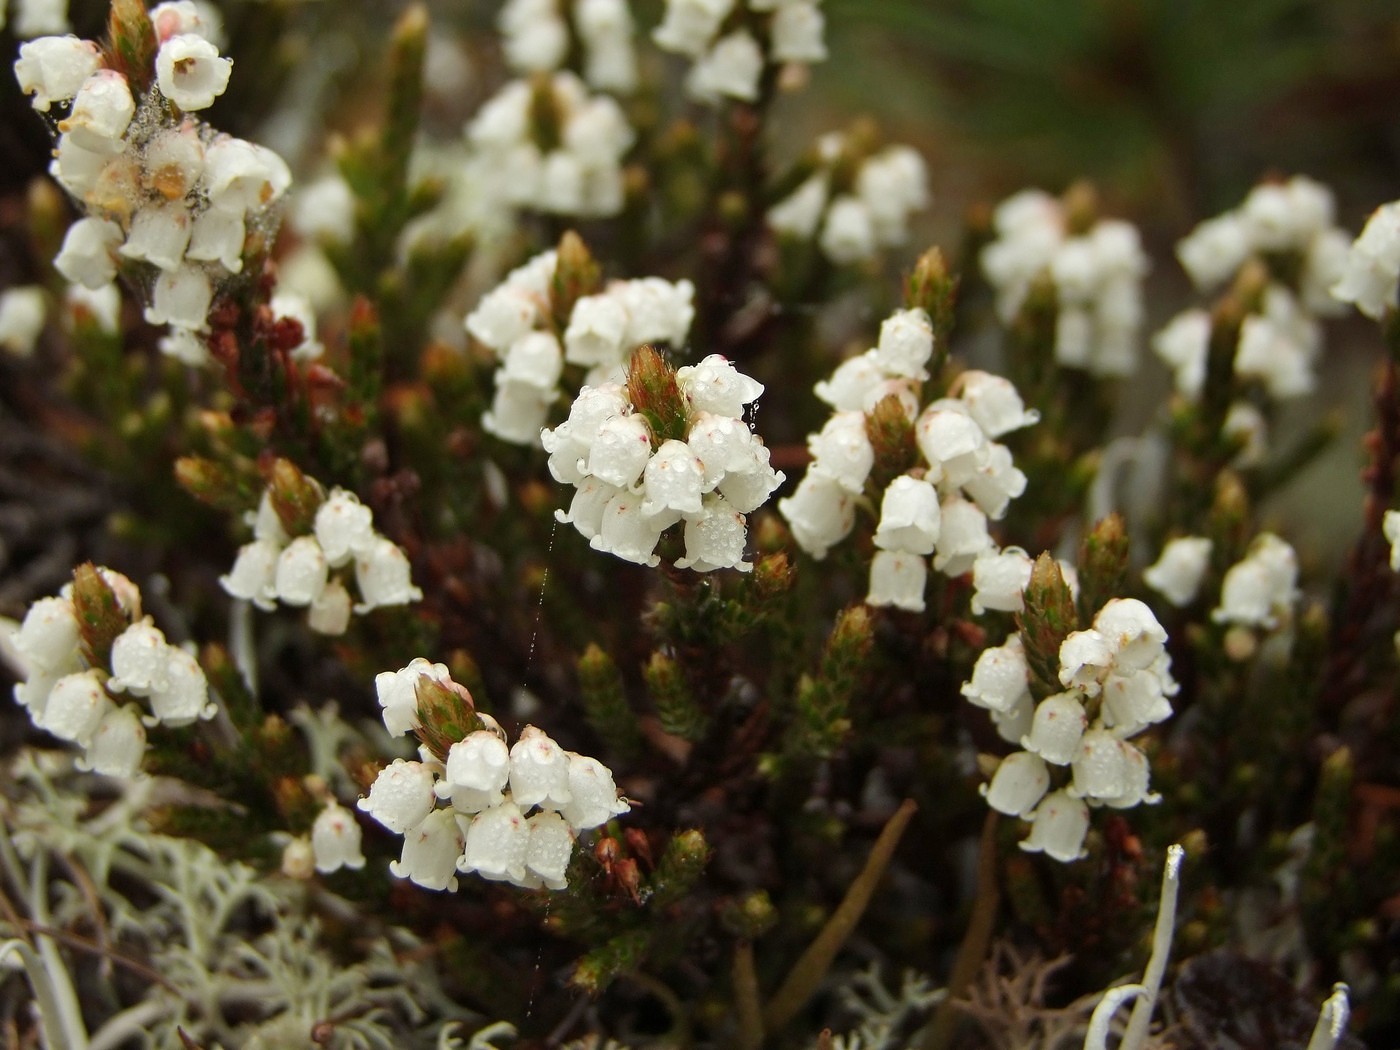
(1260, 589)
(852, 223)
(516, 321)
(722, 36)
(1371, 273)
(571, 167)
(939, 508)
(490, 789)
(302, 570)
(1257, 591)
(159, 186)
(1117, 679)
(80, 703)
(1280, 342)
(1097, 275)
(535, 37)
(632, 489)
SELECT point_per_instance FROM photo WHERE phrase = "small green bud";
(295, 497)
(670, 695)
(546, 118)
(100, 615)
(1048, 618)
(576, 274)
(750, 917)
(930, 287)
(891, 435)
(132, 47)
(446, 714)
(652, 389)
(773, 576)
(1103, 564)
(600, 967)
(211, 483)
(680, 868)
(605, 701)
(1081, 204)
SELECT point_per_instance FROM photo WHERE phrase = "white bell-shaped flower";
(539, 771)
(994, 403)
(910, 517)
(730, 69)
(906, 343)
(621, 450)
(253, 577)
(722, 444)
(951, 440)
(1060, 824)
(504, 315)
(797, 33)
(842, 451)
(800, 213)
(999, 580)
(1057, 728)
(1132, 631)
(1370, 275)
(1184, 346)
(1214, 250)
(159, 235)
(343, 526)
(330, 612)
(384, 576)
(298, 859)
(550, 846)
(398, 693)
(962, 536)
(852, 386)
(218, 236)
(478, 769)
(535, 359)
(102, 109)
(715, 538)
(848, 233)
(595, 332)
(673, 479)
(497, 841)
(183, 697)
(1086, 657)
(48, 637)
(302, 572)
(1259, 591)
(658, 311)
(624, 531)
(1018, 785)
(53, 68)
(1013, 724)
(431, 851)
(1134, 701)
(821, 513)
(75, 707)
(747, 487)
(86, 257)
(715, 385)
(243, 176)
(689, 25)
(401, 795)
(898, 578)
(518, 410)
(117, 744)
(1137, 778)
(181, 297)
(588, 506)
(1179, 570)
(1000, 678)
(1100, 766)
(594, 799)
(140, 659)
(336, 838)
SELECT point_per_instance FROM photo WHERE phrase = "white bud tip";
(1175, 855)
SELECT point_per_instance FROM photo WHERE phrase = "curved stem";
(809, 970)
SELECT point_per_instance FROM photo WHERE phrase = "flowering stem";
(809, 970)
(974, 944)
